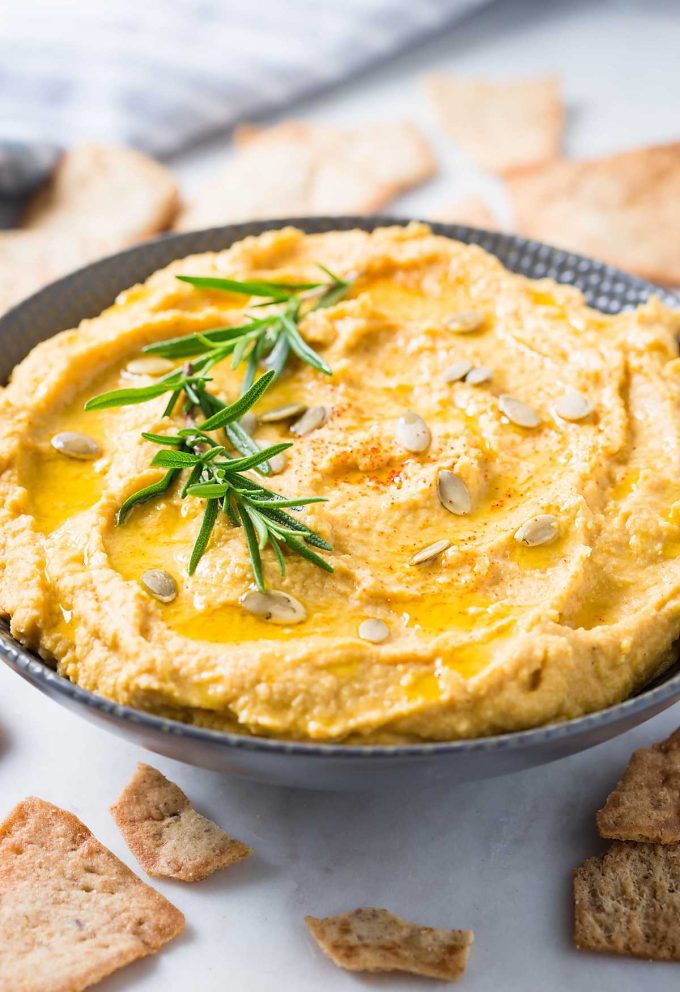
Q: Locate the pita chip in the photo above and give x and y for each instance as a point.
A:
(501, 124)
(623, 210)
(297, 169)
(628, 901)
(645, 805)
(472, 211)
(106, 194)
(70, 911)
(99, 200)
(166, 834)
(376, 940)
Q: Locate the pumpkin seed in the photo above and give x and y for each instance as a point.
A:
(75, 445)
(413, 433)
(282, 413)
(457, 371)
(274, 605)
(278, 463)
(573, 406)
(311, 420)
(517, 412)
(476, 377)
(248, 422)
(159, 584)
(465, 321)
(375, 631)
(538, 530)
(454, 495)
(150, 365)
(430, 552)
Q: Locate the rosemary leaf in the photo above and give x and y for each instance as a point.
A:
(231, 513)
(245, 445)
(250, 287)
(278, 356)
(166, 439)
(290, 503)
(307, 553)
(144, 495)
(235, 411)
(252, 364)
(207, 524)
(197, 344)
(260, 527)
(209, 490)
(279, 555)
(175, 459)
(193, 478)
(331, 296)
(239, 352)
(171, 403)
(253, 548)
(301, 348)
(262, 455)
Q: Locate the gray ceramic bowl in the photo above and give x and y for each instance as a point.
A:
(84, 294)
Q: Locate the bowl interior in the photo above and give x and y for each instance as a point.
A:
(88, 291)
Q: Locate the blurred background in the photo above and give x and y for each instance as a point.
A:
(120, 120)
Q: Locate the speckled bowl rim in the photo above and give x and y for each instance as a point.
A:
(622, 291)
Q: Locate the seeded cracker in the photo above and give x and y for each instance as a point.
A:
(628, 901)
(296, 169)
(70, 911)
(166, 834)
(645, 805)
(376, 940)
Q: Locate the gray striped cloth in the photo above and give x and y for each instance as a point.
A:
(163, 74)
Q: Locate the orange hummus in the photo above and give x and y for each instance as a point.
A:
(557, 587)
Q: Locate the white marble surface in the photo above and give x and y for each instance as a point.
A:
(496, 855)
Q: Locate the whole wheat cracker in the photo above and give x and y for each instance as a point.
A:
(623, 209)
(645, 805)
(500, 124)
(70, 911)
(166, 834)
(628, 901)
(99, 200)
(377, 940)
(296, 168)
(470, 210)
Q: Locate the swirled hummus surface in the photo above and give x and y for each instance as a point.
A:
(490, 635)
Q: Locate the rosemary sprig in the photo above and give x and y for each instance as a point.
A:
(210, 472)
(217, 478)
(268, 340)
(214, 475)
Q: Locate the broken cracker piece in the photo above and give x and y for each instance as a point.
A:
(623, 210)
(472, 211)
(628, 901)
(297, 169)
(500, 124)
(645, 805)
(70, 911)
(166, 834)
(377, 940)
(99, 200)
